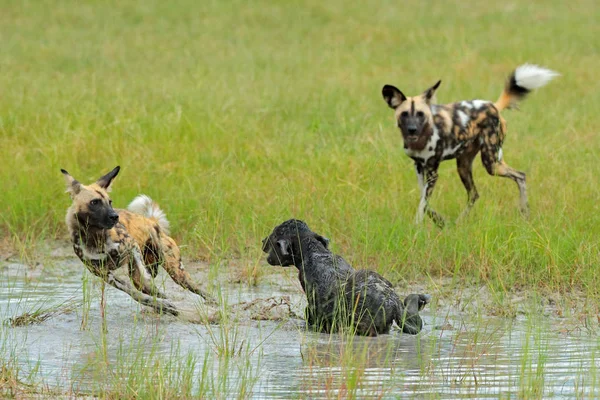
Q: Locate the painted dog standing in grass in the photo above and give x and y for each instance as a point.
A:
(107, 239)
(339, 296)
(433, 133)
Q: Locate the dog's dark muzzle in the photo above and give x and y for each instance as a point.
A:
(113, 219)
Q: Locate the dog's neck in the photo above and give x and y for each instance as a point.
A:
(311, 260)
(307, 249)
(90, 238)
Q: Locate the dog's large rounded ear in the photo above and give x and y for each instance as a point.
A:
(429, 94)
(392, 96)
(107, 179)
(323, 240)
(424, 299)
(73, 186)
(285, 247)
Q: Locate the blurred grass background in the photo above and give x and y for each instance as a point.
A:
(237, 115)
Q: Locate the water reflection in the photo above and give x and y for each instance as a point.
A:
(480, 357)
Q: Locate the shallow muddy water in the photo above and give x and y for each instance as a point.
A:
(458, 355)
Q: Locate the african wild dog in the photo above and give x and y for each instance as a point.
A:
(339, 296)
(106, 239)
(433, 133)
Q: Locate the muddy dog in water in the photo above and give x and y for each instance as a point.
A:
(433, 133)
(339, 296)
(106, 239)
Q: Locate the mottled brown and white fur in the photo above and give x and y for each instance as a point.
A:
(108, 239)
(433, 133)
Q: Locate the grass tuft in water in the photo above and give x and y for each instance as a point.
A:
(42, 313)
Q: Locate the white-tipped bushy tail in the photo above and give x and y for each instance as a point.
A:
(530, 76)
(145, 206)
(523, 80)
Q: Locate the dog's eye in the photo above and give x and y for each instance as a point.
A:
(110, 202)
(420, 114)
(404, 114)
(94, 202)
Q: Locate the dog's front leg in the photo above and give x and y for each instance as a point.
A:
(160, 306)
(422, 191)
(427, 177)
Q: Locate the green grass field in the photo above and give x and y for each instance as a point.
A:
(237, 115)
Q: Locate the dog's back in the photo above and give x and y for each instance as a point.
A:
(460, 124)
(140, 228)
(145, 206)
(145, 221)
(373, 301)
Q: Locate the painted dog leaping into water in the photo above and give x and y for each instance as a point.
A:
(136, 240)
(433, 133)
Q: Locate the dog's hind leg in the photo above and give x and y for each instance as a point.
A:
(140, 276)
(464, 165)
(496, 166)
(172, 264)
(159, 305)
(491, 156)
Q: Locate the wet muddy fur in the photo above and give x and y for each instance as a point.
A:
(339, 296)
(107, 239)
(434, 133)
